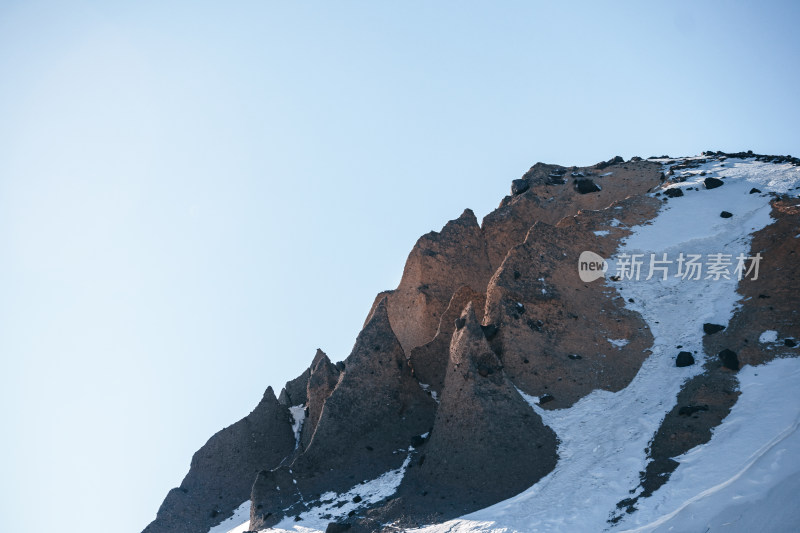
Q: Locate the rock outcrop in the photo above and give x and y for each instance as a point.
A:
(222, 471)
(376, 409)
(484, 314)
(439, 264)
(484, 432)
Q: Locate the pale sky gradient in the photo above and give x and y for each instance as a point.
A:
(194, 196)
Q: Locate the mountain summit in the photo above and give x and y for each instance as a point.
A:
(496, 390)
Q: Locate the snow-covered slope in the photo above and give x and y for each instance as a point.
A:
(749, 470)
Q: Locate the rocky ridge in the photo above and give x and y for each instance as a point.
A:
(483, 314)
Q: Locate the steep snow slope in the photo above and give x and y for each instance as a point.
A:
(603, 436)
(746, 478)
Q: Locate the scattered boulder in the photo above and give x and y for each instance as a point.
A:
(689, 410)
(726, 214)
(710, 329)
(755, 191)
(586, 185)
(713, 183)
(791, 343)
(614, 160)
(674, 192)
(544, 398)
(729, 359)
(574, 356)
(336, 527)
(684, 359)
(519, 186)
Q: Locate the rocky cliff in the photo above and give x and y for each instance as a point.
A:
(430, 417)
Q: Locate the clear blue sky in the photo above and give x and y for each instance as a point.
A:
(194, 196)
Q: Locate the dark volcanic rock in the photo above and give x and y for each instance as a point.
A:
(729, 359)
(490, 331)
(223, 470)
(674, 192)
(586, 185)
(321, 383)
(713, 183)
(471, 446)
(294, 392)
(519, 186)
(684, 359)
(377, 405)
(545, 398)
(613, 161)
(689, 410)
(710, 329)
(726, 214)
(755, 191)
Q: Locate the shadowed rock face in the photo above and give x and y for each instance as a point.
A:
(294, 393)
(321, 383)
(430, 360)
(221, 473)
(484, 432)
(376, 409)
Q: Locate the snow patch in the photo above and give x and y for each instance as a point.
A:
(238, 523)
(768, 336)
(427, 388)
(298, 413)
(619, 343)
(332, 507)
(601, 233)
